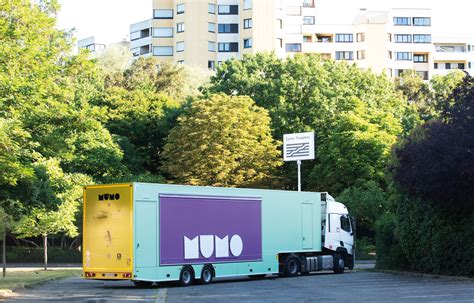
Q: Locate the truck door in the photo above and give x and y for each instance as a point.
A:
(307, 225)
(346, 233)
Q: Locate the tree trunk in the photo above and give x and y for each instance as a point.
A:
(4, 252)
(45, 247)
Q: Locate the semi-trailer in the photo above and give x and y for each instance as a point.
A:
(150, 233)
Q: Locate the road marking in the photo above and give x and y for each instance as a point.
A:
(162, 294)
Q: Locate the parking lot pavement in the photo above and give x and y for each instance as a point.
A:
(355, 286)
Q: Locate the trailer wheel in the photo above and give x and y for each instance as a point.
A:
(142, 283)
(339, 263)
(186, 277)
(206, 275)
(292, 266)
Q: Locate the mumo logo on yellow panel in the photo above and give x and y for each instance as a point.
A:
(109, 197)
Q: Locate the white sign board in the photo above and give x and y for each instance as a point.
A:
(298, 146)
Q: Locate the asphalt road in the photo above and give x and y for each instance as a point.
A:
(355, 286)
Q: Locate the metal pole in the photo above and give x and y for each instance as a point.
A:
(299, 174)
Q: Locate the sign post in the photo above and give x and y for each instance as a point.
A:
(297, 147)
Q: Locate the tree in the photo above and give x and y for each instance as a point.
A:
(367, 202)
(436, 163)
(52, 186)
(356, 115)
(6, 224)
(222, 141)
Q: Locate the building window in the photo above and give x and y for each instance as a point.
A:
(211, 27)
(403, 56)
(228, 28)
(361, 55)
(228, 47)
(398, 72)
(389, 37)
(401, 21)
(447, 66)
(422, 21)
(163, 14)
(180, 9)
(307, 39)
(163, 50)
(420, 58)
(248, 23)
(211, 65)
(421, 38)
(247, 4)
(389, 72)
(248, 43)
(469, 65)
(390, 54)
(180, 27)
(228, 9)
(180, 46)
(360, 37)
(344, 38)
(308, 20)
(180, 61)
(308, 3)
(345, 55)
(423, 74)
(163, 32)
(211, 8)
(293, 47)
(461, 66)
(436, 66)
(211, 46)
(323, 38)
(402, 38)
(450, 48)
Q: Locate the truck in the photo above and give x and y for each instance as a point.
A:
(151, 233)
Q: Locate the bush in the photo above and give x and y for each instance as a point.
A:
(423, 237)
(35, 255)
(388, 249)
(365, 249)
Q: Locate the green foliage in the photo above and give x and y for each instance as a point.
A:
(222, 141)
(52, 187)
(367, 202)
(356, 115)
(389, 252)
(35, 255)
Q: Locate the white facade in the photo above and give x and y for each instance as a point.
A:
(209, 32)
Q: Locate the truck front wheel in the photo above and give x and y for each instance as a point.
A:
(339, 263)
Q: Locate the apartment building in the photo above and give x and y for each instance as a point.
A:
(205, 33)
(90, 44)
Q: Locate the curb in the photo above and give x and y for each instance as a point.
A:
(423, 275)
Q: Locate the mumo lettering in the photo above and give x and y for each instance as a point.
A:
(208, 245)
(107, 197)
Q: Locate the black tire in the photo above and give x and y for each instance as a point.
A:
(292, 266)
(339, 263)
(186, 277)
(351, 263)
(257, 277)
(206, 275)
(142, 283)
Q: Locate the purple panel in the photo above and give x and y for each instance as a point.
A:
(188, 218)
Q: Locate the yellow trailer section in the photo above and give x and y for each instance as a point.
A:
(108, 232)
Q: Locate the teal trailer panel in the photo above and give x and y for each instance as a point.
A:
(290, 222)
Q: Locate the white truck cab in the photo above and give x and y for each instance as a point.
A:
(338, 229)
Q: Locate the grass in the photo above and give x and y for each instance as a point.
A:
(22, 279)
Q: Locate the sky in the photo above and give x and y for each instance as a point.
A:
(109, 20)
